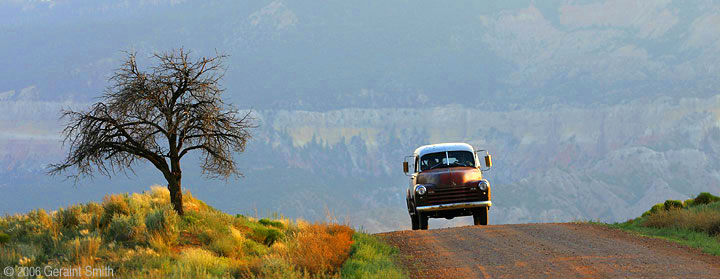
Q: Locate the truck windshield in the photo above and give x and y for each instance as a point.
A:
(447, 159)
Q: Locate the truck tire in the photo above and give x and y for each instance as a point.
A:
(423, 221)
(480, 216)
(415, 222)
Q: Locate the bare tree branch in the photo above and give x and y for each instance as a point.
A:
(160, 116)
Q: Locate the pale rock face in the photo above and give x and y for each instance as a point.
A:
(274, 14)
(703, 32)
(650, 19)
(559, 164)
(7, 95)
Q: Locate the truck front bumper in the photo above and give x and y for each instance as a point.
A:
(450, 206)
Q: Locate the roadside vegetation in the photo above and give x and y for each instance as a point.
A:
(142, 236)
(694, 222)
(371, 258)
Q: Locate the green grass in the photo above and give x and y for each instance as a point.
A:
(371, 258)
(706, 243)
(694, 223)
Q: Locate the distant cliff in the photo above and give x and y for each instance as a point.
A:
(557, 163)
(554, 164)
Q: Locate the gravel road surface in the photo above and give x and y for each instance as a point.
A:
(546, 251)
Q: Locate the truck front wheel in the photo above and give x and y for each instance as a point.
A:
(480, 216)
(423, 221)
(415, 221)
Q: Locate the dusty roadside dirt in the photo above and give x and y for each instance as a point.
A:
(546, 251)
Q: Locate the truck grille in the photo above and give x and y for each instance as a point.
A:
(445, 195)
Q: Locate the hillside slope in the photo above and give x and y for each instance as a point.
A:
(141, 236)
(693, 222)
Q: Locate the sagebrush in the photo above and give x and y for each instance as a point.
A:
(142, 236)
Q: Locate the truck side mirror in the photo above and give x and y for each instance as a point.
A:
(488, 161)
(406, 167)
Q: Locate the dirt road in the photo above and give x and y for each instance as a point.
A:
(546, 251)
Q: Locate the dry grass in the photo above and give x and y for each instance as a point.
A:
(696, 225)
(201, 261)
(321, 248)
(703, 220)
(140, 236)
(84, 251)
(371, 258)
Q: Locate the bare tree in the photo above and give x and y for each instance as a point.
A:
(159, 115)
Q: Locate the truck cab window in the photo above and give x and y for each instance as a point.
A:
(447, 159)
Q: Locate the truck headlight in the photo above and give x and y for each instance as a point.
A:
(483, 185)
(420, 190)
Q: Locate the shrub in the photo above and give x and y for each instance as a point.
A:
(199, 263)
(321, 248)
(211, 220)
(688, 203)
(654, 209)
(253, 248)
(673, 204)
(139, 202)
(41, 220)
(274, 267)
(113, 205)
(706, 198)
(204, 227)
(236, 234)
(4, 238)
(92, 213)
(69, 218)
(163, 221)
(266, 235)
(190, 220)
(30, 251)
(92, 208)
(697, 220)
(226, 246)
(158, 243)
(714, 229)
(192, 204)
(160, 195)
(9, 256)
(127, 230)
(271, 223)
(84, 250)
(140, 261)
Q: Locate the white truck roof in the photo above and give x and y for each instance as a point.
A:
(442, 147)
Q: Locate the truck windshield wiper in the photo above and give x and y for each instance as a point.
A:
(436, 165)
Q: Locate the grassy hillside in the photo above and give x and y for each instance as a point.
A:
(694, 222)
(140, 236)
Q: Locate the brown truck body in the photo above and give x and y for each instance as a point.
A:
(452, 184)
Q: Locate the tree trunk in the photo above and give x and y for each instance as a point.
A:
(174, 185)
(176, 195)
(175, 176)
